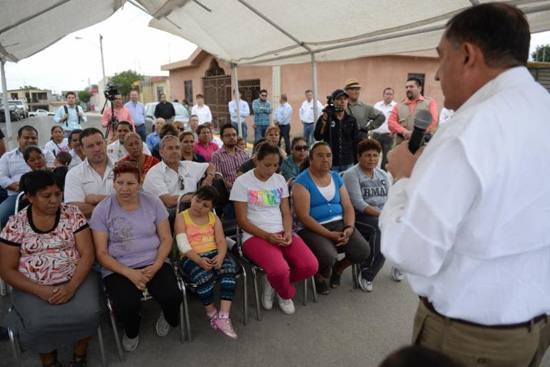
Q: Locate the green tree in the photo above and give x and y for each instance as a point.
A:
(28, 87)
(84, 95)
(125, 80)
(541, 53)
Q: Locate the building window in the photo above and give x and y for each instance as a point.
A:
(188, 88)
(250, 90)
(421, 77)
(160, 91)
(14, 96)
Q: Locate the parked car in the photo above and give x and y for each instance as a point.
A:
(22, 105)
(41, 112)
(15, 113)
(181, 115)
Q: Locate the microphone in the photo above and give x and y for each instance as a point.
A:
(422, 121)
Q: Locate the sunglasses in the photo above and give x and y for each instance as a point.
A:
(263, 95)
(182, 182)
(301, 148)
(181, 128)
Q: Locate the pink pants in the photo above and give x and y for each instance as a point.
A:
(283, 265)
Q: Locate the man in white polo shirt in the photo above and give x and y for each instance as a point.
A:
(92, 180)
(171, 178)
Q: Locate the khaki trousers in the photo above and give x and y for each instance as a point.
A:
(481, 346)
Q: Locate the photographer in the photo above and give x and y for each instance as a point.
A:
(343, 134)
(121, 113)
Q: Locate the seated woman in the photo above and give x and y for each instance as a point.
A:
(322, 205)
(132, 242)
(134, 146)
(368, 190)
(298, 153)
(187, 142)
(200, 239)
(263, 212)
(46, 254)
(204, 145)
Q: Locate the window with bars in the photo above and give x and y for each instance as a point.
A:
(188, 88)
(250, 89)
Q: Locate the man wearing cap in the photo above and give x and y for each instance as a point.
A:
(401, 120)
(368, 118)
(341, 132)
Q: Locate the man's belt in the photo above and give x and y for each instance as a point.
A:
(526, 324)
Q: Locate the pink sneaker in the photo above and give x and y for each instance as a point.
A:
(224, 326)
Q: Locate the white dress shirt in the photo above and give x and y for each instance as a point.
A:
(244, 110)
(13, 166)
(306, 111)
(84, 180)
(203, 113)
(472, 224)
(386, 110)
(162, 180)
(116, 151)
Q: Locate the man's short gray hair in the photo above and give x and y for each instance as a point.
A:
(166, 139)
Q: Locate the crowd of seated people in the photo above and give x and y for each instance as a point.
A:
(128, 196)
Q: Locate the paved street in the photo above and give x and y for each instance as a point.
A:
(347, 328)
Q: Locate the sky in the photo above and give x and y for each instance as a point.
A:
(128, 43)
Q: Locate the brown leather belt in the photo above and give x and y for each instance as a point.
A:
(526, 324)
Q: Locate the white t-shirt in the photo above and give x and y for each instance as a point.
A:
(55, 148)
(203, 113)
(263, 199)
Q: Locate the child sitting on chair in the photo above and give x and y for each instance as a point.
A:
(200, 239)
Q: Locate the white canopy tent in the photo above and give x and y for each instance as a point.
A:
(29, 26)
(267, 32)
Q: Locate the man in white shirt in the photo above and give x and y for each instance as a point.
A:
(171, 177)
(468, 217)
(201, 110)
(382, 133)
(307, 116)
(13, 166)
(92, 180)
(116, 150)
(244, 112)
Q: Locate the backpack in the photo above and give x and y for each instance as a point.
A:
(67, 112)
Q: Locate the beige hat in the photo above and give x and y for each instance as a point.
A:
(352, 83)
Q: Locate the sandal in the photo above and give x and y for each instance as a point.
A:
(79, 360)
(322, 288)
(335, 278)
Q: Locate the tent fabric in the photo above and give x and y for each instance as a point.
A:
(267, 32)
(29, 26)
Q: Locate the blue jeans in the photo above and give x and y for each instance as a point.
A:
(141, 130)
(308, 132)
(285, 133)
(259, 132)
(244, 127)
(7, 209)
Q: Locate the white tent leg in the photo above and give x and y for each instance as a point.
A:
(6, 106)
(314, 88)
(237, 97)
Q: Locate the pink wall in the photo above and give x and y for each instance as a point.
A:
(373, 73)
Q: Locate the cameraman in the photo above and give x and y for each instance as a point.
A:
(121, 113)
(343, 132)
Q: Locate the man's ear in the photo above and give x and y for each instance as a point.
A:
(471, 54)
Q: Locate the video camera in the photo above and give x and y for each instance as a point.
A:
(330, 109)
(111, 91)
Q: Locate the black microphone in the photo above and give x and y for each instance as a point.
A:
(422, 121)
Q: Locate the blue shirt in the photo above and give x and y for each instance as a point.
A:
(72, 121)
(262, 110)
(244, 110)
(152, 140)
(137, 111)
(283, 114)
(321, 209)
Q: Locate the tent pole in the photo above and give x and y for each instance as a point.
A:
(6, 105)
(314, 87)
(237, 100)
